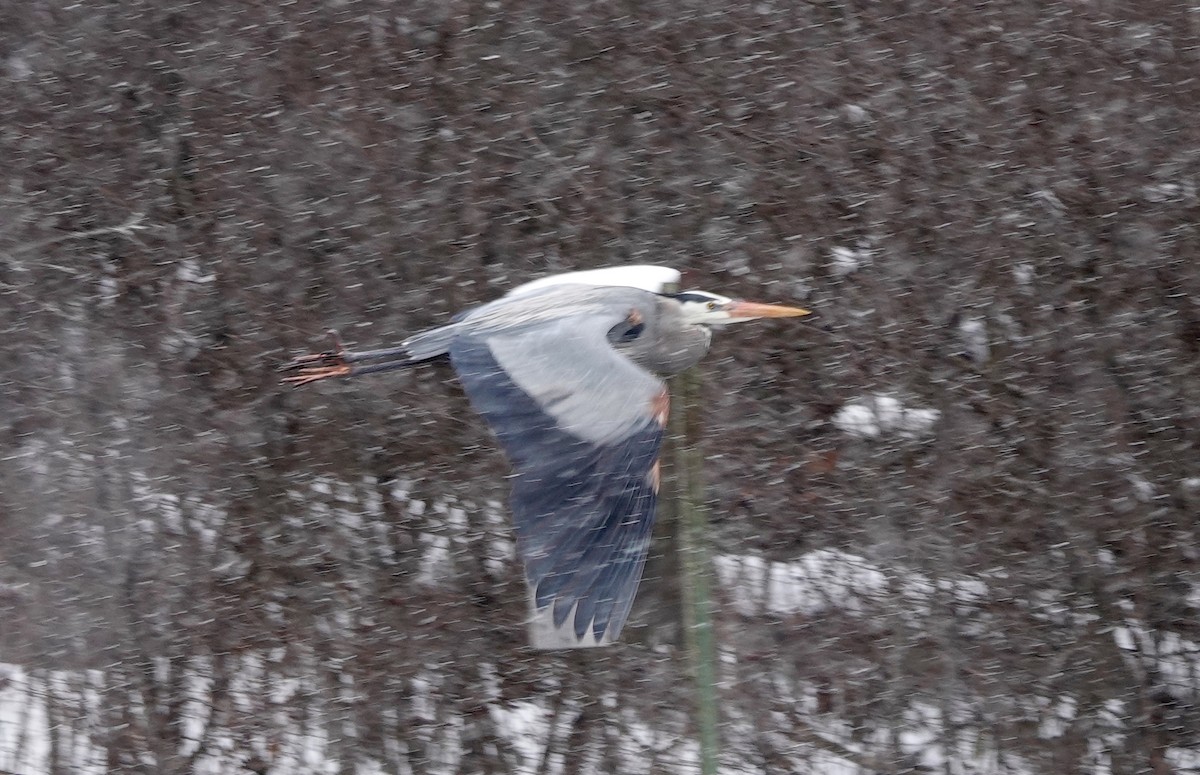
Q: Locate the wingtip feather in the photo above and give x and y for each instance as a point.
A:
(546, 635)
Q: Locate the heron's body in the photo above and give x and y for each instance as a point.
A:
(566, 372)
(528, 335)
(667, 346)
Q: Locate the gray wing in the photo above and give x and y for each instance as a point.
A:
(582, 426)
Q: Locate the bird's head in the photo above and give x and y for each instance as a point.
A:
(709, 309)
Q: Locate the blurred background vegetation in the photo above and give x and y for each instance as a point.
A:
(991, 207)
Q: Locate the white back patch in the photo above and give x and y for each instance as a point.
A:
(644, 277)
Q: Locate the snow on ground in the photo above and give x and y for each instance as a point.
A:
(829, 579)
(877, 415)
(816, 581)
(24, 740)
(28, 700)
(819, 581)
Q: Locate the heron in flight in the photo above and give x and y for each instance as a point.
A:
(567, 372)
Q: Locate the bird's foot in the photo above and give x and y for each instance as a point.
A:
(317, 366)
(309, 374)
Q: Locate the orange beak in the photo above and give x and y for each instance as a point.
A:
(749, 310)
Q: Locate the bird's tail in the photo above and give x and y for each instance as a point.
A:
(430, 344)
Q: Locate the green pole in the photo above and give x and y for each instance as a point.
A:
(696, 564)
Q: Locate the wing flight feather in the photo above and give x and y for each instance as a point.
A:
(582, 426)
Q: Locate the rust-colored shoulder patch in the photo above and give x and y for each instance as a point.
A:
(660, 407)
(660, 410)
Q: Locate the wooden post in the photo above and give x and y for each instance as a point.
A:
(696, 561)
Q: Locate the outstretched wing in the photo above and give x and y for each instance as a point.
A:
(582, 426)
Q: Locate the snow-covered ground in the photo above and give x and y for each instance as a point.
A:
(52, 715)
(34, 703)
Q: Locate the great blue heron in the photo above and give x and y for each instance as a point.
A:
(564, 370)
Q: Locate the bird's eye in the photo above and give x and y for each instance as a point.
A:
(712, 305)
